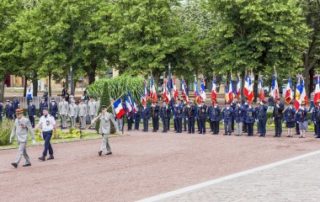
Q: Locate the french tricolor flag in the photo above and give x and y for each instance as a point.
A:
(317, 90)
(117, 106)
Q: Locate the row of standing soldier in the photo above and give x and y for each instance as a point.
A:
(237, 117)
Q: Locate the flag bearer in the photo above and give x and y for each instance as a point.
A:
(145, 115)
(202, 116)
(165, 113)
(190, 115)
(82, 113)
(239, 115)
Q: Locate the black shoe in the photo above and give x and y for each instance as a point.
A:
(42, 158)
(108, 153)
(51, 157)
(100, 153)
(15, 165)
(27, 165)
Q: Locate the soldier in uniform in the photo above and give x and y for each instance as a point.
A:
(9, 110)
(184, 115)
(227, 115)
(316, 118)
(178, 111)
(53, 108)
(137, 118)
(202, 114)
(215, 117)
(261, 114)
(155, 112)
(15, 105)
(73, 113)
(20, 130)
(43, 105)
(239, 114)
(289, 117)
(31, 113)
(165, 114)
(191, 113)
(63, 111)
(245, 106)
(233, 106)
(302, 119)
(278, 115)
(249, 119)
(130, 119)
(104, 129)
(92, 110)
(145, 115)
(82, 114)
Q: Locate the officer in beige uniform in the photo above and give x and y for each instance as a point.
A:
(21, 128)
(92, 110)
(105, 126)
(63, 111)
(73, 113)
(83, 109)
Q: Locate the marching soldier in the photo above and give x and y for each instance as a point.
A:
(20, 130)
(105, 128)
(289, 116)
(63, 111)
(53, 108)
(73, 113)
(261, 114)
(9, 110)
(31, 113)
(191, 113)
(165, 114)
(137, 118)
(155, 111)
(316, 118)
(227, 115)
(239, 114)
(278, 115)
(82, 114)
(43, 105)
(145, 115)
(47, 124)
(302, 119)
(92, 110)
(202, 114)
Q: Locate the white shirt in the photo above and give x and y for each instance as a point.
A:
(47, 123)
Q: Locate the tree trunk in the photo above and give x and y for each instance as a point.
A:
(25, 86)
(92, 72)
(255, 86)
(35, 84)
(2, 80)
(50, 88)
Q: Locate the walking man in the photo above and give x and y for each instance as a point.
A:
(21, 128)
(104, 129)
(47, 124)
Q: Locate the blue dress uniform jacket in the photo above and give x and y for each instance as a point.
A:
(43, 105)
(53, 109)
(239, 114)
(155, 112)
(190, 113)
(202, 114)
(215, 117)
(261, 115)
(178, 113)
(302, 115)
(137, 118)
(278, 116)
(9, 111)
(227, 114)
(289, 117)
(165, 114)
(249, 119)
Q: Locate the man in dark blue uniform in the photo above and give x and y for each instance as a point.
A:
(130, 118)
(43, 105)
(31, 113)
(184, 115)
(227, 115)
(178, 112)
(278, 116)
(53, 107)
(245, 107)
(165, 113)
(9, 110)
(239, 115)
(145, 115)
(137, 118)
(289, 117)
(155, 112)
(190, 114)
(1, 111)
(249, 119)
(316, 119)
(261, 115)
(233, 106)
(15, 105)
(302, 117)
(202, 114)
(215, 118)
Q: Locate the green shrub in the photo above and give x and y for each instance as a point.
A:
(5, 131)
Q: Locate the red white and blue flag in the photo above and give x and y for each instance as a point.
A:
(229, 92)
(153, 92)
(248, 88)
(238, 88)
(118, 109)
(165, 92)
(274, 88)
(197, 96)
(130, 104)
(202, 90)
(260, 89)
(288, 95)
(144, 97)
(317, 90)
(214, 91)
(175, 93)
(184, 91)
(301, 95)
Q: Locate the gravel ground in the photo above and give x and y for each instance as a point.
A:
(142, 165)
